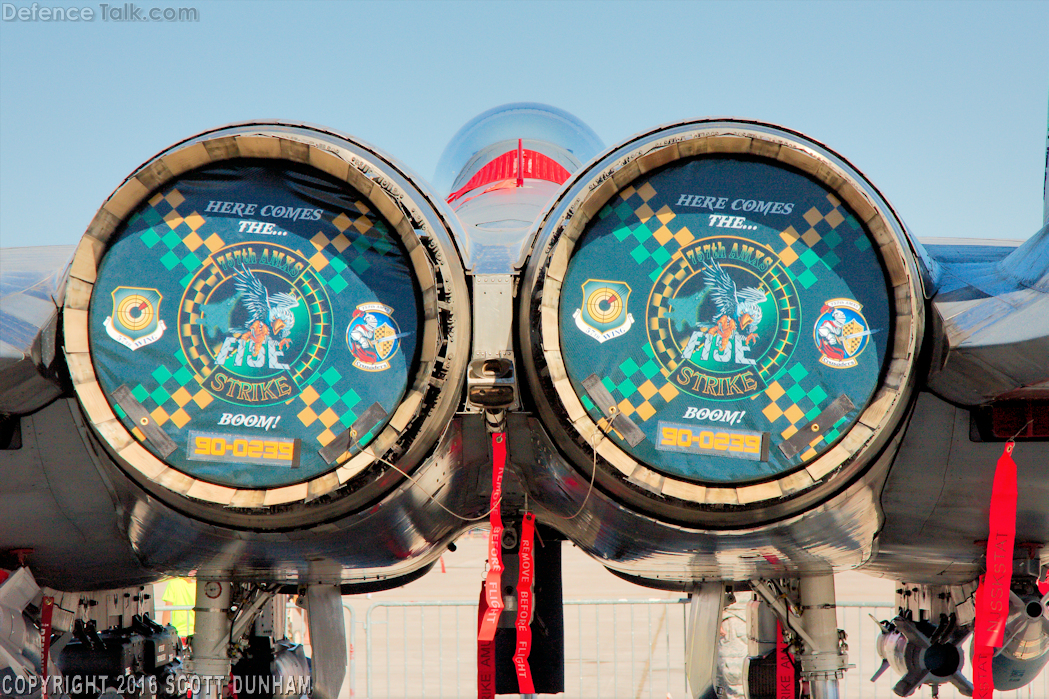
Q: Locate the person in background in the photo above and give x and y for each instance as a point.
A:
(180, 592)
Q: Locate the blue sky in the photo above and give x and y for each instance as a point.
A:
(942, 105)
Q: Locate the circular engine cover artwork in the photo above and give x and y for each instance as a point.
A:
(733, 311)
(247, 316)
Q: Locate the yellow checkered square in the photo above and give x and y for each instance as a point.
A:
(665, 215)
(319, 241)
(790, 236)
(668, 392)
(319, 261)
(684, 237)
(810, 454)
(627, 193)
(202, 398)
(325, 437)
(644, 212)
(175, 198)
(309, 395)
(789, 432)
(181, 396)
(771, 412)
(834, 218)
(192, 241)
(194, 221)
(180, 417)
(173, 219)
(363, 223)
(160, 415)
(645, 411)
(156, 199)
(813, 216)
(626, 407)
(362, 207)
(340, 242)
(834, 201)
(138, 434)
(307, 417)
(793, 413)
(647, 191)
(647, 390)
(774, 391)
(788, 257)
(811, 237)
(214, 242)
(663, 235)
(342, 222)
(328, 417)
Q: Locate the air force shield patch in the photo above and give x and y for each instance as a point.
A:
(604, 313)
(136, 320)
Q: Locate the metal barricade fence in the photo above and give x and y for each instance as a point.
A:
(429, 649)
(613, 648)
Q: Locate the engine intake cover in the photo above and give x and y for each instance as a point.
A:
(729, 312)
(252, 318)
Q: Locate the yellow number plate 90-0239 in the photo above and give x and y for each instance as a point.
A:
(718, 441)
(240, 449)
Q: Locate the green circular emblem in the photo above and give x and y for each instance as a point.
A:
(255, 324)
(722, 317)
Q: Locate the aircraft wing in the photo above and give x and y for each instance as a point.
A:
(986, 384)
(30, 296)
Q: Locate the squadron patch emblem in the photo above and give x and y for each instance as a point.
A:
(373, 337)
(255, 324)
(604, 315)
(841, 333)
(722, 317)
(136, 320)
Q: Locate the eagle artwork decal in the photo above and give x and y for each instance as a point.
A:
(738, 312)
(255, 323)
(267, 315)
(721, 318)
